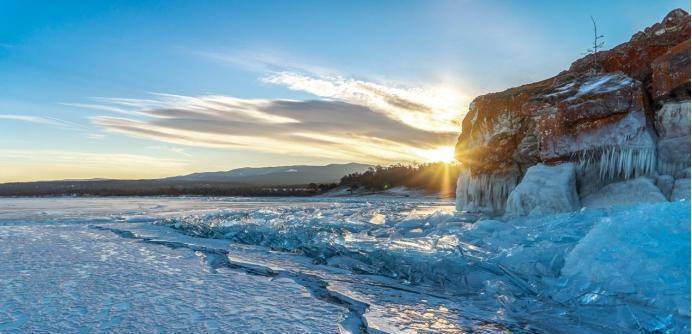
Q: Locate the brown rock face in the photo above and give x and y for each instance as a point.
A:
(634, 58)
(673, 125)
(600, 112)
(588, 113)
(671, 73)
(496, 125)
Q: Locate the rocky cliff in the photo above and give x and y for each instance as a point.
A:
(616, 115)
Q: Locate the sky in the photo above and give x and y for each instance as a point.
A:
(145, 89)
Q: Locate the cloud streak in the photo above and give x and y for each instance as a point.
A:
(434, 109)
(265, 61)
(43, 120)
(351, 121)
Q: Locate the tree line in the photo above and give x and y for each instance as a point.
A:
(156, 188)
(432, 177)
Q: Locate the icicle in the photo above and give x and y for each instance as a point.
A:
(670, 168)
(484, 191)
(617, 162)
(490, 191)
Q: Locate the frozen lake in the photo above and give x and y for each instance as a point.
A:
(330, 265)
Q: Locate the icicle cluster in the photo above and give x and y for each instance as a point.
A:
(490, 191)
(484, 192)
(670, 168)
(617, 162)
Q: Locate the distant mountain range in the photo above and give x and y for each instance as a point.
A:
(281, 175)
(285, 180)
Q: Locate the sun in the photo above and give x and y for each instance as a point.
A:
(440, 154)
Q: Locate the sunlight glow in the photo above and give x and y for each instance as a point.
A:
(439, 154)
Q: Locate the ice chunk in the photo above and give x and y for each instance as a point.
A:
(681, 190)
(377, 219)
(545, 189)
(636, 264)
(639, 190)
(665, 183)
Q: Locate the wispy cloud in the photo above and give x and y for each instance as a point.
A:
(97, 136)
(328, 129)
(435, 109)
(44, 120)
(100, 107)
(173, 149)
(265, 61)
(430, 107)
(348, 119)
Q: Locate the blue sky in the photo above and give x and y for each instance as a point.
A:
(138, 89)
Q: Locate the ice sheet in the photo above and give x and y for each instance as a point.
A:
(414, 265)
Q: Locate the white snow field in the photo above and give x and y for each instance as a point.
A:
(338, 265)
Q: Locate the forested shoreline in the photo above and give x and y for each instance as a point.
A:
(431, 177)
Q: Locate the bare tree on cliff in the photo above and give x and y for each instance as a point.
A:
(597, 44)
